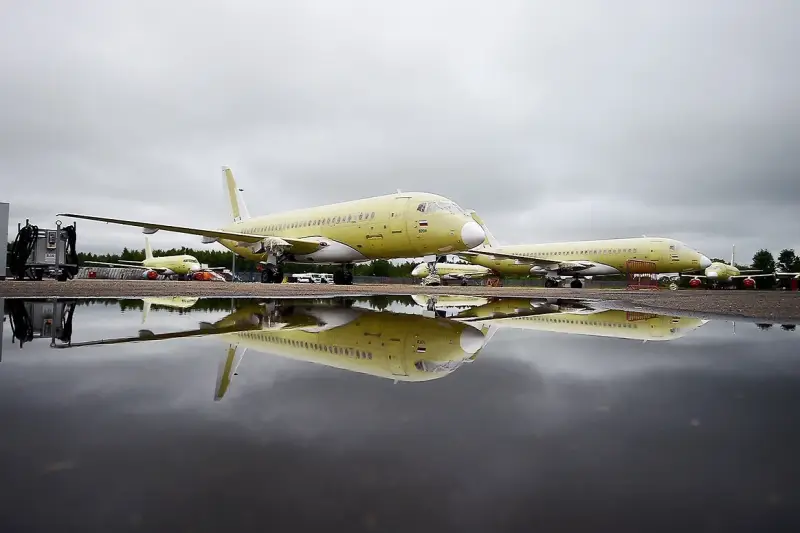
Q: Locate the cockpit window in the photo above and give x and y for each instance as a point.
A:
(440, 206)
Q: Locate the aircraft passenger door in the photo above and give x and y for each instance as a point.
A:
(654, 251)
(395, 348)
(398, 231)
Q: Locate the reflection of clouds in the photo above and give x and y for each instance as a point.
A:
(506, 442)
(586, 357)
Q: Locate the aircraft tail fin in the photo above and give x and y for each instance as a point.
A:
(489, 241)
(148, 252)
(238, 208)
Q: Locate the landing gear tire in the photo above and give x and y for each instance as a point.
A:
(550, 283)
(271, 275)
(464, 283)
(576, 284)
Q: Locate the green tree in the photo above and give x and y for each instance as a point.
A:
(381, 267)
(718, 260)
(763, 260)
(788, 261)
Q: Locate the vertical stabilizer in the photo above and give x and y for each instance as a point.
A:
(238, 208)
(489, 241)
(148, 252)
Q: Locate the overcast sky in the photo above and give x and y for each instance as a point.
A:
(554, 121)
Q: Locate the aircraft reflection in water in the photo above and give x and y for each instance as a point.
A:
(172, 302)
(451, 331)
(397, 346)
(564, 316)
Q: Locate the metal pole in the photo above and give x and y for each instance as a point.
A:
(58, 244)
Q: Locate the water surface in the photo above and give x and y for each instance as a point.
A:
(393, 413)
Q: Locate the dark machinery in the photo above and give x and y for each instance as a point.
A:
(36, 253)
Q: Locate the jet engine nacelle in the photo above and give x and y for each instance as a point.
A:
(150, 274)
(537, 271)
(695, 282)
(749, 283)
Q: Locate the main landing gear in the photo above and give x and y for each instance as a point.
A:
(271, 274)
(343, 276)
(576, 283)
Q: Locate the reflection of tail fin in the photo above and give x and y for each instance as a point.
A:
(148, 252)
(227, 369)
(238, 208)
(489, 241)
(145, 310)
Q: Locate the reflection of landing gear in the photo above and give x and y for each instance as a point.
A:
(464, 283)
(343, 276)
(550, 283)
(576, 284)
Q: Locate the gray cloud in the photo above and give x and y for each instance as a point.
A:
(554, 122)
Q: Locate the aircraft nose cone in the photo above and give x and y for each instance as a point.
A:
(705, 262)
(419, 270)
(471, 340)
(472, 234)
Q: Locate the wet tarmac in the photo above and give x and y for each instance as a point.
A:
(394, 413)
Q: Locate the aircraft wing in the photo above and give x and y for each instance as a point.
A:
(516, 257)
(298, 246)
(123, 265)
(753, 276)
(788, 274)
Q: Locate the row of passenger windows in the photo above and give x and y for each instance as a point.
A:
(582, 252)
(311, 346)
(356, 217)
(582, 322)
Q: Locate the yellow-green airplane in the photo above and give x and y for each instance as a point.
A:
(393, 226)
(581, 259)
(719, 275)
(450, 272)
(167, 265)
